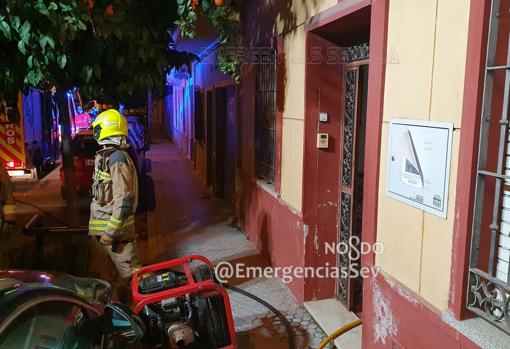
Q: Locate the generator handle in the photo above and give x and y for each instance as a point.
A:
(172, 263)
(183, 261)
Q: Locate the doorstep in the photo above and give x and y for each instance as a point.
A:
(330, 314)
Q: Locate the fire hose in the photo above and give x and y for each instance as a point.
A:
(340, 332)
(283, 319)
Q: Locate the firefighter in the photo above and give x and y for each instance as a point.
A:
(114, 194)
(6, 199)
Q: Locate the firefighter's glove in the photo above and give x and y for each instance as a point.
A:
(106, 240)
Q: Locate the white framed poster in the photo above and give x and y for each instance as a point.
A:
(419, 155)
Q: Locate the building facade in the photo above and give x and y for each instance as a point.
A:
(300, 150)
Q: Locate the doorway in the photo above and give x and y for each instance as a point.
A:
(349, 290)
(229, 165)
(222, 142)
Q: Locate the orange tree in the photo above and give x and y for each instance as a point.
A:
(111, 49)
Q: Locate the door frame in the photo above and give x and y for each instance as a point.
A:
(341, 19)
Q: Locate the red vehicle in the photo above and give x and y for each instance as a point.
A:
(84, 148)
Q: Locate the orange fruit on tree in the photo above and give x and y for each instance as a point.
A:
(109, 10)
(219, 3)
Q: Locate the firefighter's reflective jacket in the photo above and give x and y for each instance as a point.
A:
(6, 199)
(114, 195)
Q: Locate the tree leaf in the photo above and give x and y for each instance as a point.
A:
(41, 7)
(117, 32)
(61, 61)
(21, 47)
(51, 42)
(106, 30)
(24, 32)
(15, 22)
(29, 79)
(87, 73)
(43, 41)
(6, 30)
(30, 61)
(52, 6)
(97, 71)
(80, 25)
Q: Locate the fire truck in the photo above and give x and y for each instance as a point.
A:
(79, 118)
(29, 133)
(30, 130)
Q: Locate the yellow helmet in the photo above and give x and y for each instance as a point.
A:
(109, 123)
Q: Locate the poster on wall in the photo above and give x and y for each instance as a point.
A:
(419, 157)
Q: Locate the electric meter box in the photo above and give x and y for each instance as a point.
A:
(419, 158)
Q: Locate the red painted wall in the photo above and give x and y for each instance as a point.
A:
(397, 318)
(275, 230)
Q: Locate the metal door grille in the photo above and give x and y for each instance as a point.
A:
(489, 284)
(349, 290)
(265, 111)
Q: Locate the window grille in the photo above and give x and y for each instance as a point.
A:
(489, 282)
(265, 114)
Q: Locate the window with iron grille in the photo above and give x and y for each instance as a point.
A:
(265, 114)
(489, 276)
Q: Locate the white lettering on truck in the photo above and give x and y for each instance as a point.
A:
(10, 132)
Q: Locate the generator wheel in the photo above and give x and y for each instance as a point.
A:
(212, 313)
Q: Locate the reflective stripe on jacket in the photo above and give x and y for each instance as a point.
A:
(114, 195)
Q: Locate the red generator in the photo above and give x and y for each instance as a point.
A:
(182, 309)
